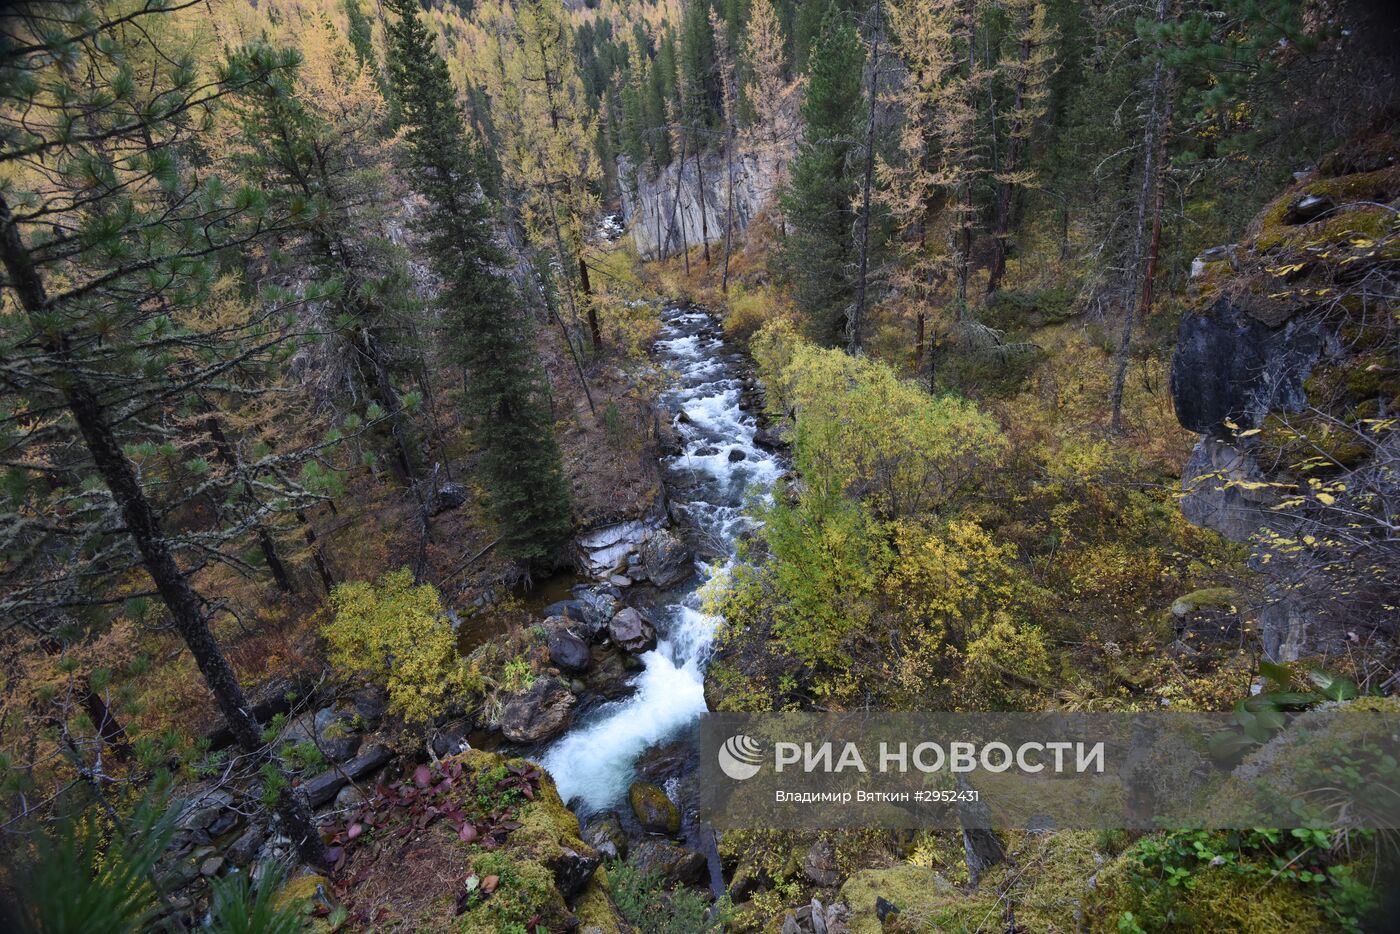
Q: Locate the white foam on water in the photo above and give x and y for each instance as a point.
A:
(593, 761)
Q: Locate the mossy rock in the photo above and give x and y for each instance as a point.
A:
(1210, 598)
(595, 910)
(524, 888)
(1048, 897)
(307, 889)
(926, 900)
(1311, 764)
(1371, 704)
(1307, 437)
(655, 811)
(1379, 187)
(545, 847)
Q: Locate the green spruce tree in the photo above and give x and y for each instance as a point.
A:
(520, 463)
(818, 253)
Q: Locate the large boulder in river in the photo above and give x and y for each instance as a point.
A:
(541, 713)
(655, 812)
(667, 761)
(673, 864)
(568, 651)
(667, 559)
(604, 833)
(632, 631)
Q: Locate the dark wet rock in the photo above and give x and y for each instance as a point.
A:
(672, 863)
(568, 651)
(707, 451)
(884, 908)
(449, 496)
(817, 918)
(323, 787)
(667, 559)
(573, 869)
(242, 850)
(226, 822)
(336, 735)
(736, 455)
(1232, 366)
(819, 865)
(603, 831)
(203, 810)
(655, 812)
(179, 873)
(610, 676)
(330, 730)
(1309, 208)
(670, 760)
(574, 610)
(369, 703)
(541, 713)
(770, 438)
(599, 605)
(747, 880)
(450, 738)
(632, 631)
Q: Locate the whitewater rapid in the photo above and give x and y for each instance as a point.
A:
(593, 761)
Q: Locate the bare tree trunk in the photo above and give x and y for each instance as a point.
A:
(1005, 203)
(143, 525)
(677, 208)
(112, 733)
(317, 557)
(224, 449)
(729, 209)
(568, 342)
(1140, 269)
(382, 389)
(573, 308)
(704, 222)
(919, 326)
(863, 273)
(594, 331)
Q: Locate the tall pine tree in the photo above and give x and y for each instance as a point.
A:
(110, 250)
(818, 253)
(520, 464)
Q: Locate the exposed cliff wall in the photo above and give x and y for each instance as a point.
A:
(1287, 367)
(671, 211)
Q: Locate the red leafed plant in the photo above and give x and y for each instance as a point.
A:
(480, 806)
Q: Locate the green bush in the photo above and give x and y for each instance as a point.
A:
(646, 904)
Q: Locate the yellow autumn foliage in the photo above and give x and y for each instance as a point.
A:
(864, 433)
(396, 632)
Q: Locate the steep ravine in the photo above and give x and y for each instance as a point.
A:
(718, 467)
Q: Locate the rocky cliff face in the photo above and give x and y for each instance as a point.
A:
(669, 211)
(1286, 365)
(672, 211)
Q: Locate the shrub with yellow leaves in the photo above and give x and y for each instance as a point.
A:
(396, 632)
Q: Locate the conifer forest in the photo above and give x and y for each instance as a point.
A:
(417, 417)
